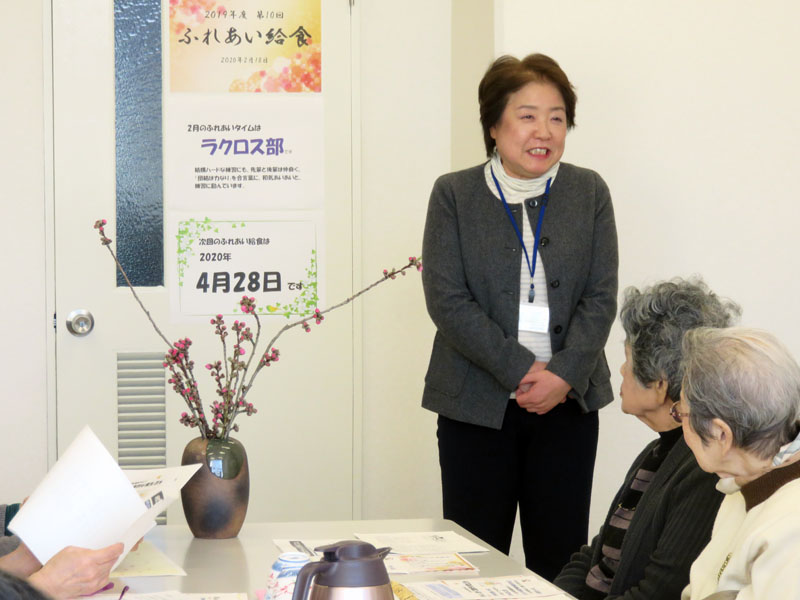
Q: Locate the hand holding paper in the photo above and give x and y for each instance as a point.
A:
(76, 572)
(86, 500)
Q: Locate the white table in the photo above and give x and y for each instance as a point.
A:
(243, 564)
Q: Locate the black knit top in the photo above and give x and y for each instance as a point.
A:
(600, 576)
(670, 526)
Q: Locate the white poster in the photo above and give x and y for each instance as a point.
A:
(243, 156)
(244, 152)
(218, 260)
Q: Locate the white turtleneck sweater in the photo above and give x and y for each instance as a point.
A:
(517, 191)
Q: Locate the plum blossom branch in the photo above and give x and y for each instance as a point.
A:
(105, 241)
(231, 373)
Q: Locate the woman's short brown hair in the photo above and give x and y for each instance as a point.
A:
(509, 74)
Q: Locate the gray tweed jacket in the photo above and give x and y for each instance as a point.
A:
(471, 281)
(671, 525)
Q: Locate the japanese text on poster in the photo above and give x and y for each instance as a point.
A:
(245, 46)
(260, 154)
(274, 262)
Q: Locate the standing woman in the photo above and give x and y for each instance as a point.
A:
(520, 280)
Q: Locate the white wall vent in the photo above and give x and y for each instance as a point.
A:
(141, 412)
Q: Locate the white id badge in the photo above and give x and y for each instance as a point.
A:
(534, 318)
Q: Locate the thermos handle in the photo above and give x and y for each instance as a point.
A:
(303, 582)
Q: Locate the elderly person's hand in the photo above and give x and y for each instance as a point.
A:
(76, 572)
(540, 391)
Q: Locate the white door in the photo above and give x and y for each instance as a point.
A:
(300, 444)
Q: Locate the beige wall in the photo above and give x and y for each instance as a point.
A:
(472, 44)
(419, 120)
(405, 145)
(23, 242)
(689, 112)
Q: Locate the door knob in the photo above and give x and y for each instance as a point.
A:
(80, 322)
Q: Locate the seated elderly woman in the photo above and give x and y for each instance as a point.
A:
(741, 418)
(661, 517)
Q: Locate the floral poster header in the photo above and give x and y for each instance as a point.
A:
(245, 46)
(220, 261)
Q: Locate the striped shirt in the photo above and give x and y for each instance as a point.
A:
(600, 576)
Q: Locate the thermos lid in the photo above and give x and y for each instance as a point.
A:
(353, 563)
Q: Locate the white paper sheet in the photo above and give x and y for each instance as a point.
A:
(423, 542)
(396, 564)
(174, 595)
(86, 500)
(406, 564)
(147, 561)
(148, 483)
(306, 546)
(496, 588)
(157, 489)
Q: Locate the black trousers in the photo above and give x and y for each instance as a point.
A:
(543, 463)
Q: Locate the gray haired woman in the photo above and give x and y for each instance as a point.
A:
(741, 418)
(661, 517)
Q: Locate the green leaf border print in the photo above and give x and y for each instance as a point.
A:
(305, 302)
(189, 231)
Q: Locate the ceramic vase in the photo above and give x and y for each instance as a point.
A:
(215, 498)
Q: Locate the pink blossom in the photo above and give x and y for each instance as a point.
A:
(176, 358)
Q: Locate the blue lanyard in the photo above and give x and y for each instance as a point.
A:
(537, 236)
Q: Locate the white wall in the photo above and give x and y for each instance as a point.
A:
(689, 110)
(405, 145)
(23, 356)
